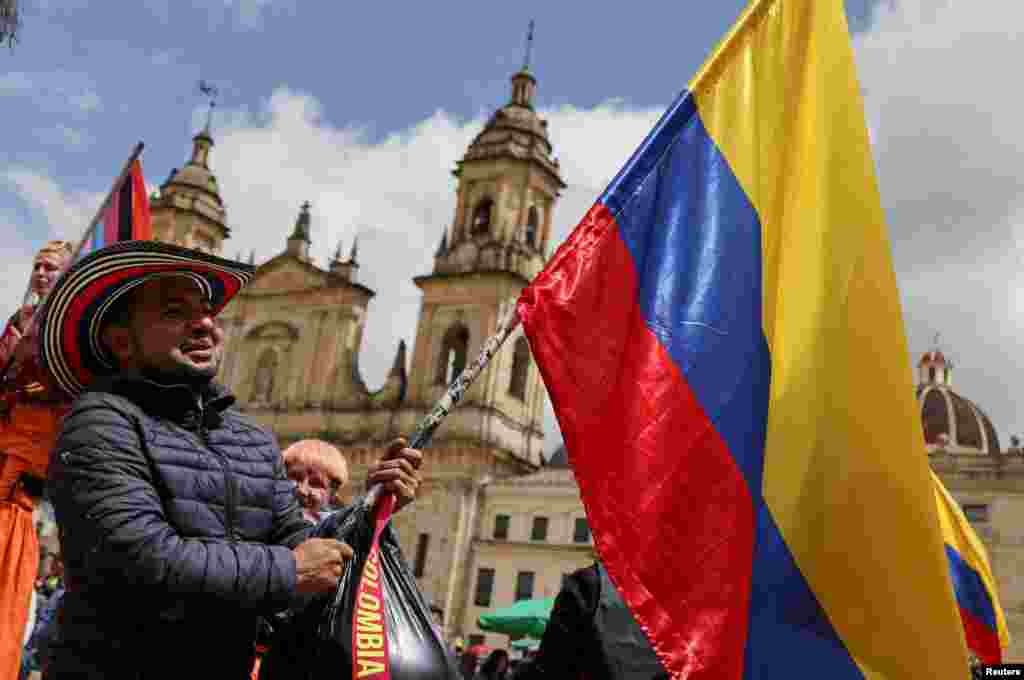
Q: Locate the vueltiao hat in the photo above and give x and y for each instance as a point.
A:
(72, 317)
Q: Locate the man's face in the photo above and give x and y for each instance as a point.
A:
(45, 270)
(173, 332)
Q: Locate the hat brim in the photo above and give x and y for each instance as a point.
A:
(70, 322)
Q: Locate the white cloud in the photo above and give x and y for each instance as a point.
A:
(67, 213)
(948, 142)
(59, 92)
(396, 194)
(15, 254)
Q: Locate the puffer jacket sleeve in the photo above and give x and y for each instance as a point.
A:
(113, 521)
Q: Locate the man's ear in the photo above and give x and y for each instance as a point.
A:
(118, 339)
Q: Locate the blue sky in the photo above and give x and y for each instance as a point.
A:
(364, 108)
(107, 77)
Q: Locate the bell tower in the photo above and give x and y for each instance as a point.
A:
(189, 211)
(498, 240)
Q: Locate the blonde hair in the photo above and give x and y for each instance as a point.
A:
(62, 248)
(321, 456)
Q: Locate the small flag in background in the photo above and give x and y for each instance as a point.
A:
(722, 341)
(126, 217)
(973, 581)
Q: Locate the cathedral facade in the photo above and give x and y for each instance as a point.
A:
(493, 523)
(294, 334)
(986, 480)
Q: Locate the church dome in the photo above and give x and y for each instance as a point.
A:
(196, 177)
(189, 210)
(196, 174)
(951, 421)
(515, 130)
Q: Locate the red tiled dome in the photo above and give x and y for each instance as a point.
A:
(934, 356)
(944, 412)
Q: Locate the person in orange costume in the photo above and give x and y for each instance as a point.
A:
(30, 412)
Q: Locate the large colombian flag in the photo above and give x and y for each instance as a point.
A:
(126, 216)
(973, 581)
(722, 340)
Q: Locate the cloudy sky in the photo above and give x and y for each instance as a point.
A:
(363, 110)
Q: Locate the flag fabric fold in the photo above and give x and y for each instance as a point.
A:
(126, 215)
(973, 581)
(722, 341)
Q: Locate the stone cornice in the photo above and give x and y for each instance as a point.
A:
(326, 280)
(975, 466)
(419, 410)
(427, 279)
(533, 546)
(190, 205)
(549, 478)
(488, 409)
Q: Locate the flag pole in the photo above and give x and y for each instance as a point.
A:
(95, 220)
(136, 152)
(29, 297)
(508, 323)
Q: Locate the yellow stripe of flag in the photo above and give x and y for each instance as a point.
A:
(845, 476)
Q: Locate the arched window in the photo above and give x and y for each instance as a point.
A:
(482, 217)
(931, 374)
(520, 365)
(263, 381)
(531, 226)
(453, 354)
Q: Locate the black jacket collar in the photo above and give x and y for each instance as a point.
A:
(180, 402)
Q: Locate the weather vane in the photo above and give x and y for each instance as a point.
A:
(211, 91)
(529, 47)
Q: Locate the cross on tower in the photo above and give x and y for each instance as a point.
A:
(529, 47)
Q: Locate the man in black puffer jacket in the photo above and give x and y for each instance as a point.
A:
(178, 524)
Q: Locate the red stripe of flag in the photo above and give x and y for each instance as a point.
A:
(110, 219)
(142, 227)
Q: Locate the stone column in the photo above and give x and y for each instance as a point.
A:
(461, 199)
(459, 579)
(326, 363)
(233, 344)
(315, 363)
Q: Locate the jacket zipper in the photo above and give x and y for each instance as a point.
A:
(229, 477)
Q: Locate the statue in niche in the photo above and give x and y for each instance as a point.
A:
(263, 381)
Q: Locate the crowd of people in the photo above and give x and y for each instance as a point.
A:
(185, 532)
(41, 630)
(179, 527)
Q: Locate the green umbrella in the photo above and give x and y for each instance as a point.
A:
(526, 643)
(526, 617)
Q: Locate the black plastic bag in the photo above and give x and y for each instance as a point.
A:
(393, 637)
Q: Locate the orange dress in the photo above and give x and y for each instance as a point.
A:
(29, 421)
